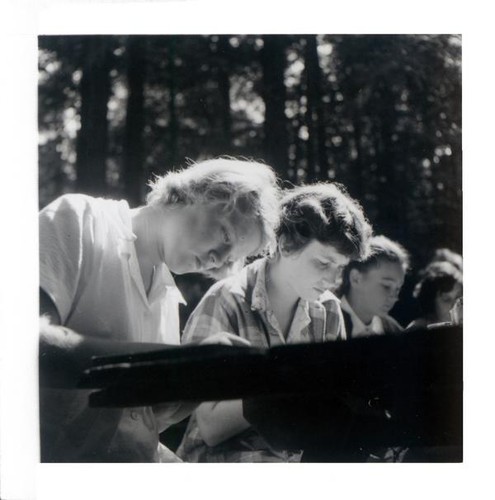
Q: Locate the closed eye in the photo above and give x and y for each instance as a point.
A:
(330, 264)
(390, 289)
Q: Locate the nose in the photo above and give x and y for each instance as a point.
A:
(218, 257)
(394, 296)
(329, 279)
(332, 275)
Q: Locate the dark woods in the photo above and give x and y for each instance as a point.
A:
(381, 114)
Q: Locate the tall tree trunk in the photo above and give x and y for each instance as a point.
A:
(223, 79)
(297, 161)
(275, 144)
(315, 120)
(173, 127)
(389, 193)
(356, 167)
(92, 139)
(134, 124)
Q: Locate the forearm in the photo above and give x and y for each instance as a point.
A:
(219, 421)
(168, 414)
(65, 354)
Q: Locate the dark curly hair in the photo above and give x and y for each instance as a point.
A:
(438, 277)
(324, 212)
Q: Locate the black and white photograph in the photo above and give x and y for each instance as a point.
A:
(301, 189)
(250, 249)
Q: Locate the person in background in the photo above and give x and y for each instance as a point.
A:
(437, 292)
(106, 287)
(439, 295)
(370, 287)
(369, 290)
(276, 300)
(447, 255)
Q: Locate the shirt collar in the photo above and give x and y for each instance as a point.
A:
(259, 297)
(123, 227)
(301, 320)
(327, 295)
(164, 283)
(260, 302)
(123, 221)
(359, 328)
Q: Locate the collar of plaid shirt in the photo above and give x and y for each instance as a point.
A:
(260, 302)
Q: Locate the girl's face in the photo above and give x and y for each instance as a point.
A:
(377, 289)
(445, 301)
(208, 239)
(314, 269)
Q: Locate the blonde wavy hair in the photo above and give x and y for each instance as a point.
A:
(239, 186)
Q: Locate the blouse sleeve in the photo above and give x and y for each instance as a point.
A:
(61, 249)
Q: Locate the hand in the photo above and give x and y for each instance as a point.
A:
(225, 338)
(456, 312)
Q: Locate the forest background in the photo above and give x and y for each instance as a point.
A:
(379, 113)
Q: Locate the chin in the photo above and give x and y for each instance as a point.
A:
(181, 268)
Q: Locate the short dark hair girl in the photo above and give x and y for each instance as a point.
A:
(324, 212)
(438, 277)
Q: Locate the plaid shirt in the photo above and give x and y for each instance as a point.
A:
(240, 305)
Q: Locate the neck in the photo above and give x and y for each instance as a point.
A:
(148, 249)
(141, 222)
(281, 295)
(277, 284)
(364, 315)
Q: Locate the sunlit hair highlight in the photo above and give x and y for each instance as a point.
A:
(324, 212)
(243, 187)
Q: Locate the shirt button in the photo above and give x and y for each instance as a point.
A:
(134, 415)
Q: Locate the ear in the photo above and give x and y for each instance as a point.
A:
(283, 247)
(355, 277)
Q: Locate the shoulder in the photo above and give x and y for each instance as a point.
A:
(69, 211)
(71, 203)
(224, 307)
(239, 285)
(221, 298)
(83, 204)
(87, 213)
(65, 217)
